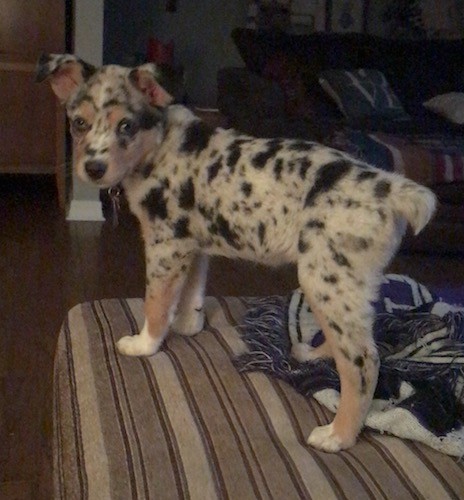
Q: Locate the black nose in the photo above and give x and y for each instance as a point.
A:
(95, 169)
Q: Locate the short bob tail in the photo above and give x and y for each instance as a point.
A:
(415, 203)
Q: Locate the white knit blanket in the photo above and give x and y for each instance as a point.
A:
(420, 392)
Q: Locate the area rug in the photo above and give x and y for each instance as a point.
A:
(420, 391)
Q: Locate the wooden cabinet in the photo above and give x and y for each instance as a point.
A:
(32, 123)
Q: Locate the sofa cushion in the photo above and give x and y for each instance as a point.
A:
(186, 424)
(362, 93)
(450, 105)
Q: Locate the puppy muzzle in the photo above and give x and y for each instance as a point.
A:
(95, 169)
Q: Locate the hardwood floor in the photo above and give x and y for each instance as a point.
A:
(48, 265)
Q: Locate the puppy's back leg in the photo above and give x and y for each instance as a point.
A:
(341, 304)
(190, 313)
(303, 352)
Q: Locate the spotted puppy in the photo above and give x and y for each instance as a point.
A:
(198, 191)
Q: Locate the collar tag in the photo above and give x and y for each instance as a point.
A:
(115, 194)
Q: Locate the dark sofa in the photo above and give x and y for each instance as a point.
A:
(278, 93)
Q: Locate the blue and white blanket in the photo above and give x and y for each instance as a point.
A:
(420, 391)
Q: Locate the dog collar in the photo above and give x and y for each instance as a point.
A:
(114, 193)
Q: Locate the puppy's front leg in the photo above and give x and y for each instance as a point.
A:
(165, 278)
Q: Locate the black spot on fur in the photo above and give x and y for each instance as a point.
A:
(335, 327)
(363, 384)
(360, 243)
(81, 97)
(278, 167)
(260, 160)
(303, 247)
(147, 169)
(87, 69)
(165, 264)
(382, 214)
(187, 195)
(261, 233)
(350, 203)
(111, 102)
(181, 228)
(213, 170)
(148, 118)
(246, 188)
(155, 204)
(331, 278)
(222, 228)
(315, 224)
(207, 213)
(366, 174)
(340, 259)
(305, 165)
(345, 353)
(359, 361)
(326, 178)
(234, 155)
(197, 137)
(382, 189)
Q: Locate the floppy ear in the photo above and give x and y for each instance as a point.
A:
(65, 71)
(145, 78)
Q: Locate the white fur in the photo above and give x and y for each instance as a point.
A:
(139, 345)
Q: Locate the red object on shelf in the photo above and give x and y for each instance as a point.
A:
(159, 52)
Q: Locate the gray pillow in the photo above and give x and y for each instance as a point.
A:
(362, 93)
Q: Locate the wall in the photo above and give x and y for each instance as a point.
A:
(201, 33)
(126, 29)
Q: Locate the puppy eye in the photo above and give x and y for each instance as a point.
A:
(127, 127)
(79, 125)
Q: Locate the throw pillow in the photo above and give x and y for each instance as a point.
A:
(362, 93)
(450, 105)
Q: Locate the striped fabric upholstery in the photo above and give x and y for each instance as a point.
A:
(186, 424)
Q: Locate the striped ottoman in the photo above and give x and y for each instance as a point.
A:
(186, 424)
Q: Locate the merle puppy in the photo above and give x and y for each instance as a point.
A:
(198, 191)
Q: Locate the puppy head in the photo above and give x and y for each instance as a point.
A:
(113, 112)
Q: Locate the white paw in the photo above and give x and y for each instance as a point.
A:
(189, 324)
(325, 439)
(138, 345)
